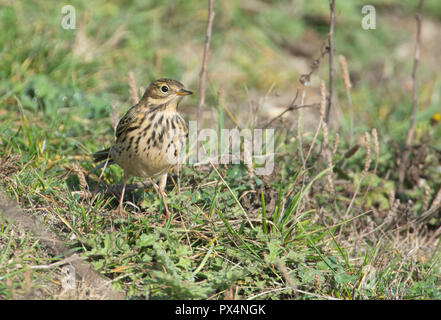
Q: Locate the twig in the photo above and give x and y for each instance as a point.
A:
(203, 74)
(305, 79)
(410, 133)
(331, 60)
(66, 260)
(291, 107)
(331, 76)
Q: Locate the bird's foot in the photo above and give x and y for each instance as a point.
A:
(120, 211)
(164, 201)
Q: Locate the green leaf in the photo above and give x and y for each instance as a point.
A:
(146, 240)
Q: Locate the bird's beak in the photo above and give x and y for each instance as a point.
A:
(184, 92)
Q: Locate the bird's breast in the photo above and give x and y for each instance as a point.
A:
(155, 146)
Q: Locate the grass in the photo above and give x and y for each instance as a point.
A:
(282, 236)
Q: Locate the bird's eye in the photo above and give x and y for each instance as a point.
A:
(164, 89)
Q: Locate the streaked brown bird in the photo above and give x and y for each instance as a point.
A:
(150, 136)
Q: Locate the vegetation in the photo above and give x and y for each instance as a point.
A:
(303, 232)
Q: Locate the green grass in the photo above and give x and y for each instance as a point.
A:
(239, 235)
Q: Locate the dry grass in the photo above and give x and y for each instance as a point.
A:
(88, 283)
(307, 231)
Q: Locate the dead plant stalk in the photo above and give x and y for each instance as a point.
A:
(331, 61)
(203, 74)
(410, 133)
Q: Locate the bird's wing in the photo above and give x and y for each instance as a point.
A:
(127, 123)
(182, 125)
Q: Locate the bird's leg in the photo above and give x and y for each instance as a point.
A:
(121, 210)
(161, 188)
(163, 182)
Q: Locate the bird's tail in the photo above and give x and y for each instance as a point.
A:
(102, 155)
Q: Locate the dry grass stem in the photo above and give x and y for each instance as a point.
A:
(281, 266)
(325, 142)
(300, 130)
(335, 145)
(365, 142)
(348, 86)
(322, 106)
(133, 90)
(84, 192)
(367, 146)
(322, 99)
(437, 201)
(426, 197)
(114, 117)
(391, 197)
(345, 72)
(376, 145)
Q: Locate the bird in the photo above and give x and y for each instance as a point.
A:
(150, 137)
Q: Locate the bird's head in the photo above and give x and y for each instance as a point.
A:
(164, 91)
